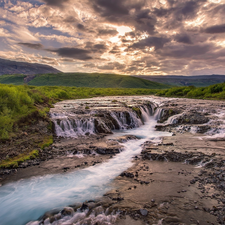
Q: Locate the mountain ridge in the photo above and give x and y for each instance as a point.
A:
(9, 67)
(179, 80)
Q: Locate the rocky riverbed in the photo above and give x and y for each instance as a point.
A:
(176, 179)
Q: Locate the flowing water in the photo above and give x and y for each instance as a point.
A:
(27, 200)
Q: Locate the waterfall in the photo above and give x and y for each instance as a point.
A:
(173, 119)
(145, 113)
(72, 124)
(135, 121)
(70, 127)
(158, 113)
(125, 119)
(27, 199)
(114, 116)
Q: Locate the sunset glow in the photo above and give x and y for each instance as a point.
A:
(178, 37)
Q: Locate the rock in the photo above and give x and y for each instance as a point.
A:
(67, 211)
(84, 207)
(144, 212)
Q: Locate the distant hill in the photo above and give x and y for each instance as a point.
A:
(198, 81)
(12, 67)
(94, 80)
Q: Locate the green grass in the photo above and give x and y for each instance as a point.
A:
(19, 102)
(15, 161)
(94, 81)
(216, 91)
(47, 141)
(12, 79)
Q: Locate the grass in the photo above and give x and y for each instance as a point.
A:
(48, 140)
(137, 111)
(12, 79)
(216, 92)
(15, 161)
(94, 80)
(20, 102)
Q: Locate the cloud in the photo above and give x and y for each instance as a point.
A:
(80, 26)
(157, 42)
(167, 36)
(30, 45)
(112, 66)
(75, 53)
(70, 19)
(185, 51)
(183, 38)
(216, 29)
(57, 3)
(109, 32)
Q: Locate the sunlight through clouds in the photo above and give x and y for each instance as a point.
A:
(133, 33)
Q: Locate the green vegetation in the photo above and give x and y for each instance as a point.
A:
(216, 91)
(137, 111)
(48, 140)
(18, 103)
(12, 79)
(94, 81)
(15, 161)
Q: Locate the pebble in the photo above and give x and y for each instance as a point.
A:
(144, 212)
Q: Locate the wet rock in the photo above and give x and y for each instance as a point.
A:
(125, 138)
(107, 151)
(168, 113)
(127, 174)
(84, 207)
(144, 212)
(118, 199)
(171, 220)
(67, 211)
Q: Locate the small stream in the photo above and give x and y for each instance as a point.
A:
(27, 200)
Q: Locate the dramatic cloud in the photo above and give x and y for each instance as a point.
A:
(111, 32)
(58, 3)
(183, 38)
(215, 29)
(117, 36)
(74, 53)
(157, 42)
(30, 45)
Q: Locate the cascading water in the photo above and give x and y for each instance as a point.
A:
(71, 127)
(145, 113)
(174, 119)
(68, 126)
(27, 200)
(158, 113)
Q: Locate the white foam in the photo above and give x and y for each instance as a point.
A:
(27, 200)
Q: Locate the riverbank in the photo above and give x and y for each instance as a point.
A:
(178, 179)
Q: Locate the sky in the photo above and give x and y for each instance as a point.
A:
(133, 37)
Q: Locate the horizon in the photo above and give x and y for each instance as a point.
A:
(161, 38)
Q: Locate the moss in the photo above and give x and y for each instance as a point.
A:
(48, 140)
(87, 107)
(171, 112)
(44, 112)
(15, 161)
(137, 111)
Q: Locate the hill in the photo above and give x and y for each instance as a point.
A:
(215, 91)
(94, 81)
(197, 81)
(13, 67)
(12, 79)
